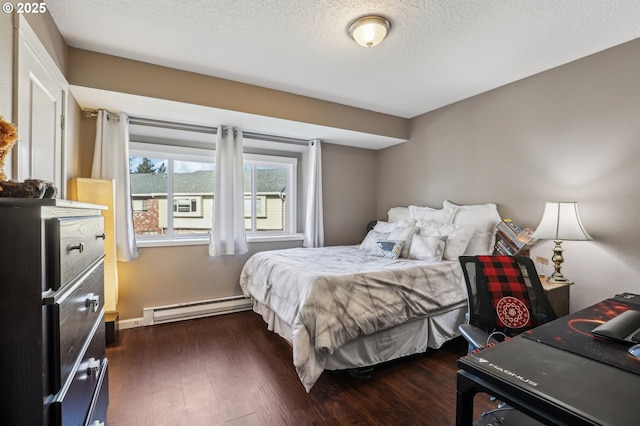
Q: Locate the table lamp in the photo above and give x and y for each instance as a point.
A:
(560, 221)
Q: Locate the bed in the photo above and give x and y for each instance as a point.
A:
(397, 293)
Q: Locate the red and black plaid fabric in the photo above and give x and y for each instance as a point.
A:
(507, 290)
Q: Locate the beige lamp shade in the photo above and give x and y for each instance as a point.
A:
(561, 221)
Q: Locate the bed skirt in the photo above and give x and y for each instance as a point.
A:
(406, 339)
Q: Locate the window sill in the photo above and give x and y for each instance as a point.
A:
(200, 241)
(167, 242)
(272, 238)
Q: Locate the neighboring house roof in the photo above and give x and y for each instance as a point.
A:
(202, 182)
(267, 180)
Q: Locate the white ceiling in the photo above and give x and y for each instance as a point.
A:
(438, 51)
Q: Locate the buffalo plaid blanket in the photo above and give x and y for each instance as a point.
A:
(508, 291)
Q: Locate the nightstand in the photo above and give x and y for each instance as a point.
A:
(558, 295)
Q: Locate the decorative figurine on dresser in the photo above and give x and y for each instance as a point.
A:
(52, 335)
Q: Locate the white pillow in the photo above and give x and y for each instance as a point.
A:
(421, 223)
(458, 237)
(481, 243)
(485, 218)
(382, 226)
(371, 238)
(427, 248)
(398, 213)
(403, 234)
(443, 215)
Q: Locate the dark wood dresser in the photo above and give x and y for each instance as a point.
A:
(53, 367)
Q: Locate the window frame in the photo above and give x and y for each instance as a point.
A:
(185, 152)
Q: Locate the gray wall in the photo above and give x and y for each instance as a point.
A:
(568, 134)
(349, 191)
(6, 74)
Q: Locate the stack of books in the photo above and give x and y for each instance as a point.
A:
(511, 240)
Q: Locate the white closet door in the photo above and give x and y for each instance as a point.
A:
(42, 92)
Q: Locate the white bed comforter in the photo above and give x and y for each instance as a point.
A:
(331, 295)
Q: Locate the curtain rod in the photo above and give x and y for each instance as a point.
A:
(93, 113)
(173, 125)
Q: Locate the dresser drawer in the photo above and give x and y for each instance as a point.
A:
(100, 403)
(73, 244)
(73, 404)
(71, 317)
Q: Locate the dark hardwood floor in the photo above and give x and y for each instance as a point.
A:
(230, 370)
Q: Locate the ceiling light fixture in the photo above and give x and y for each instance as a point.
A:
(370, 30)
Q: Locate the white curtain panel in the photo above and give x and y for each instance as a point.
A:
(314, 226)
(111, 161)
(228, 236)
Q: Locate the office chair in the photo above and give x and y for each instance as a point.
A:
(505, 299)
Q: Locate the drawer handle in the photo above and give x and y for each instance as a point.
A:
(102, 236)
(79, 247)
(94, 366)
(93, 300)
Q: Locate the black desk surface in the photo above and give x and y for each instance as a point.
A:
(590, 390)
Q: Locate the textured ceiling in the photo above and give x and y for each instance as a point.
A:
(438, 51)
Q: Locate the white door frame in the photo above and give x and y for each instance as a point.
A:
(27, 42)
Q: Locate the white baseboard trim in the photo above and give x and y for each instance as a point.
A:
(130, 323)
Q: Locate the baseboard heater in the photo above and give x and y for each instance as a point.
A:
(191, 310)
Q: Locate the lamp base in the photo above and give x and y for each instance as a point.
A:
(557, 259)
(560, 280)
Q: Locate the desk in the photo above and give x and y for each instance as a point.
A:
(551, 385)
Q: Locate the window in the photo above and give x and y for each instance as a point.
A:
(140, 205)
(172, 191)
(269, 194)
(163, 176)
(187, 206)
